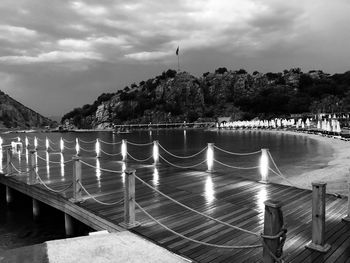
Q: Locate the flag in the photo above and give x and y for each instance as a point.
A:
(177, 51)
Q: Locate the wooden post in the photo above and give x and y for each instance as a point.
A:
(273, 225)
(77, 196)
(36, 209)
(9, 195)
(32, 175)
(347, 218)
(318, 218)
(129, 199)
(9, 167)
(68, 225)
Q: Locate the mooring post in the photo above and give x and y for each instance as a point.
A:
(347, 218)
(318, 218)
(274, 234)
(156, 153)
(9, 168)
(264, 166)
(68, 225)
(77, 147)
(77, 195)
(9, 195)
(210, 158)
(32, 172)
(129, 199)
(36, 208)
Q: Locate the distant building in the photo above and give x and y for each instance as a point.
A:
(223, 119)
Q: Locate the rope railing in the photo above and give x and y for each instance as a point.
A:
(86, 150)
(101, 169)
(49, 188)
(139, 160)
(182, 157)
(236, 167)
(87, 142)
(19, 172)
(68, 141)
(279, 173)
(194, 240)
(53, 149)
(235, 153)
(44, 159)
(195, 211)
(140, 144)
(98, 201)
(69, 148)
(110, 143)
(52, 142)
(110, 154)
(179, 166)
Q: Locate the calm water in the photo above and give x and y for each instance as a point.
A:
(294, 155)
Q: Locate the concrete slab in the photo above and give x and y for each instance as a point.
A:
(114, 247)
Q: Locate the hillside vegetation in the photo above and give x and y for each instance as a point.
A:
(174, 97)
(15, 115)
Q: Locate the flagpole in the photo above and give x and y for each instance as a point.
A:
(178, 59)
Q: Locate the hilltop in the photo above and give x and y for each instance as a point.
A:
(179, 96)
(15, 115)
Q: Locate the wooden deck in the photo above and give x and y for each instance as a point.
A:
(222, 195)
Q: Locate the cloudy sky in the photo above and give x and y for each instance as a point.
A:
(56, 55)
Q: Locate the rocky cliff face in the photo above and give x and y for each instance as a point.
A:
(15, 115)
(173, 97)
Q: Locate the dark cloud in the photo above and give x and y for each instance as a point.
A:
(70, 52)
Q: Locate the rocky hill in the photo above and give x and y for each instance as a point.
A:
(15, 115)
(174, 97)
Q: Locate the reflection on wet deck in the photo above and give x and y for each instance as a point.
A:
(234, 200)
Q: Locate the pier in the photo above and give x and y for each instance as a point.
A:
(192, 208)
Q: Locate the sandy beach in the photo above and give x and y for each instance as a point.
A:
(335, 174)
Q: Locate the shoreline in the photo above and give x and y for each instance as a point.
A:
(335, 174)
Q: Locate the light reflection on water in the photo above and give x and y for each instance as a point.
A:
(98, 172)
(62, 165)
(261, 197)
(155, 177)
(209, 192)
(48, 164)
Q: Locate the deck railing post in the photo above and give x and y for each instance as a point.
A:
(264, 166)
(210, 158)
(32, 172)
(124, 150)
(274, 233)
(9, 168)
(129, 199)
(156, 153)
(62, 145)
(347, 218)
(318, 218)
(77, 195)
(98, 148)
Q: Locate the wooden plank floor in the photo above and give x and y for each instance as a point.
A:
(222, 195)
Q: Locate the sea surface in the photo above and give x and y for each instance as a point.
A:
(293, 154)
